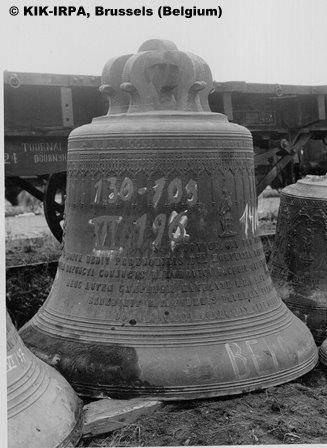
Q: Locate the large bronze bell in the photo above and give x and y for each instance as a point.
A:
(299, 261)
(323, 353)
(162, 289)
(43, 410)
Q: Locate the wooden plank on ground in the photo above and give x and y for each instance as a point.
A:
(106, 415)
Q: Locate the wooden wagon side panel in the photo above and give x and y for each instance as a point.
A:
(32, 108)
(40, 111)
(34, 156)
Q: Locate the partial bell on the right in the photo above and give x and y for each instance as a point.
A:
(299, 262)
(323, 353)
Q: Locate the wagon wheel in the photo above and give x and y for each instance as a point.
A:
(54, 210)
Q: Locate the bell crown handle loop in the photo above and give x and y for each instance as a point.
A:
(111, 80)
(204, 76)
(195, 82)
(153, 80)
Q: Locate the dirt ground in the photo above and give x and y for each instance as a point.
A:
(294, 413)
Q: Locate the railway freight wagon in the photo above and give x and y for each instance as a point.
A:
(288, 124)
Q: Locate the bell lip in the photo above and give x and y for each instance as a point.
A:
(283, 378)
(233, 386)
(76, 432)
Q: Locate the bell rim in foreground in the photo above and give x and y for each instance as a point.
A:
(42, 408)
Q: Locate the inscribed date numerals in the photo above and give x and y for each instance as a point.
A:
(249, 219)
(112, 232)
(110, 190)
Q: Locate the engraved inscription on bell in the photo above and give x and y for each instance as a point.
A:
(162, 288)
